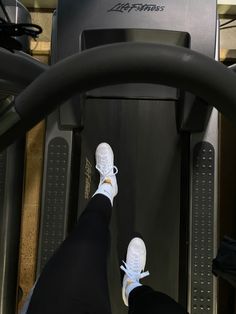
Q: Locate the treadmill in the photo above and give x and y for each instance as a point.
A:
(165, 142)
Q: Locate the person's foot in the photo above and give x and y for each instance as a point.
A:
(105, 165)
(134, 267)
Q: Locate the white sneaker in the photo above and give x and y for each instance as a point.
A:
(105, 165)
(134, 267)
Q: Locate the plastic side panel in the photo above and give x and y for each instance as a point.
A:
(198, 18)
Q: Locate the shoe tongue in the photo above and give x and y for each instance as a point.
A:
(107, 170)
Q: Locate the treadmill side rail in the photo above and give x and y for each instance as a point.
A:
(55, 199)
(203, 219)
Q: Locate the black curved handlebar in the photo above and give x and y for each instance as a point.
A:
(123, 63)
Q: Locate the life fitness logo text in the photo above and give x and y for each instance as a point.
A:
(137, 7)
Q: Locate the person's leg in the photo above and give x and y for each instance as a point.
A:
(143, 299)
(75, 280)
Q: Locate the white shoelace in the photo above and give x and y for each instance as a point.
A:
(134, 276)
(110, 172)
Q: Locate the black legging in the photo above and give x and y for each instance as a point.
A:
(74, 281)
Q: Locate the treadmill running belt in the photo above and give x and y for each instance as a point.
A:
(149, 173)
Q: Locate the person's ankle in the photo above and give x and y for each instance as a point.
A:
(106, 189)
(131, 286)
